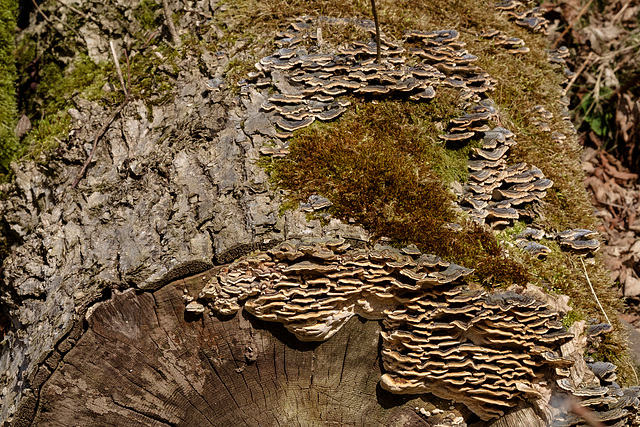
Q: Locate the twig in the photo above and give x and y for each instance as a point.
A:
(635, 374)
(577, 74)
(111, 118)
(76, 10)
(151, 36)
(619, 14)
(118, 70)
(168, 16)
(596, 87)
(46, 18)
(375, 19)
(576, 19)
(583, 412)
(594, 292)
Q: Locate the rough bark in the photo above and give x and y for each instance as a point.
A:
(169, 189)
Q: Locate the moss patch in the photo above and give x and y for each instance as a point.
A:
(8, 109)
(382, 165)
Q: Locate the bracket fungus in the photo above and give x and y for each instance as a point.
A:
(312, 77)
(497, 192)
(441, 334)
(608, 402)
(579, 240)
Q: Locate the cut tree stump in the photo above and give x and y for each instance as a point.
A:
(142, 362)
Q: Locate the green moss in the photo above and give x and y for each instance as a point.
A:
(152, 75)
(149, 15)
(572, 317)
(8, 109)
(45, 136)
(383, 165)
(82, 77)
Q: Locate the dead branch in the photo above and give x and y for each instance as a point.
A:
(594, 292)
(74, 9)
(118, 70)
(572, 23)
(46, 18)
(577, 74)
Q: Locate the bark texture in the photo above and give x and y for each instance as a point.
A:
(170, 188)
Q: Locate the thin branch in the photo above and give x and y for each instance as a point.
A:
(587, 415)
(46, 18)
(594, 292)
(76, 10)
(168, 16)
(111, 118)
(619, 14)
(577, 74)
(118, 70)
(575, 20)
(375, 19)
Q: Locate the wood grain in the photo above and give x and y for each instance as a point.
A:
(142, 362)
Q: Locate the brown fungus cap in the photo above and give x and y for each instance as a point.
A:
(536, 249)
(462, 136)
(293, 125)
(491, 154)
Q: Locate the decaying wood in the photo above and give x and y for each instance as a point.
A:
(142, 362)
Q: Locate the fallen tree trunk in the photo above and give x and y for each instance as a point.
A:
(96, 280)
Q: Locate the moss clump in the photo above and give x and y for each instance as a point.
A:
(60, 82)
(44, 136)
(149, 15)
(8, 109)
(382, 165)
(572, 317)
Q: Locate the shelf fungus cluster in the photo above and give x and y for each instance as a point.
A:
(496, 193)
(310, 83)
(575, 240)
(579, 240)
(542, 119)
(441, 334)
(526, 240)
(530, 19)
(609, 404)
(510, 44)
